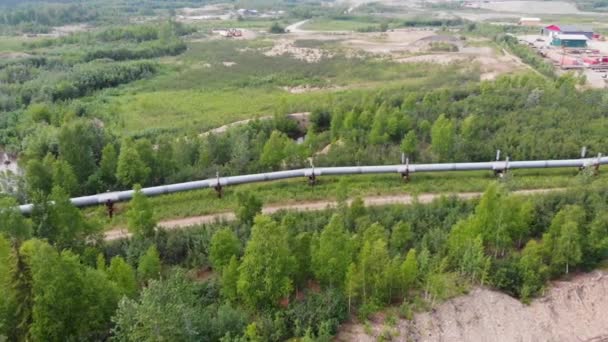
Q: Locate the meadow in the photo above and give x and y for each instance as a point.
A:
(198, 91)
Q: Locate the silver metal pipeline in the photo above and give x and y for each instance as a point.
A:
(403, 169)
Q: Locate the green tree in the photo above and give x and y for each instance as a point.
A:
(474, 262)
(71, 301)
(108, 165)
(409, 271)
(598, 236)
(131, 169)
(66, 226)
(38, 178)
(356, 211)
(140, 217)
(563, 241)
(568, 249)
(230, 278)
(7, 304)
(273, 152)
(100, 263)
(393, 276)
(352, 285)
(301, 250)
(409, 144)
(77, 140)
(267, 265)
(166, 311)
(532, 270)
(248, 206)
(373, 259)
(330, 259)
(442, 137)
(276, 28)
(149, 265)
(224, 245)
(64, 177)
(123, 276)
(12, 223)
(401, 236)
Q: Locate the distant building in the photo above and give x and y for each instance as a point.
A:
(529, 21)
(570, 40)
(553, 30)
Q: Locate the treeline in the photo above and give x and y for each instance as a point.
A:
(30, 85)
(39, 18)
(129, 34)
(422, 22)
(264, 278)
(102, 60)
(141, 51)
(527, 55)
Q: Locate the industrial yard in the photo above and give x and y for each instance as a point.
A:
(578, 49)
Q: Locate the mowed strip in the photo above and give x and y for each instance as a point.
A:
(121, 233)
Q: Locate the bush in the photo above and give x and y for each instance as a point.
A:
(276, 28)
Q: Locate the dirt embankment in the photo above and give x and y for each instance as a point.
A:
(575, 310)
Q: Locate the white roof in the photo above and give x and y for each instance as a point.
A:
(572, 37)
(529, 19)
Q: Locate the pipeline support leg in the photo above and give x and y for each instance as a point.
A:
(312, 180)
(218, 190)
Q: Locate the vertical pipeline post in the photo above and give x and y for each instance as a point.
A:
(312, 178)
(583, 155)
(405, 175)
(218, 186)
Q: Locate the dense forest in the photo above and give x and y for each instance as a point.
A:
(264, 278)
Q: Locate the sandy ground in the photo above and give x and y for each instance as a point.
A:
(14, 55)
(120, 233)
(60, 31)
(575, 310)
(396, 41)
(408, 45)
(287, 47)
(295, 28)
(8, 163)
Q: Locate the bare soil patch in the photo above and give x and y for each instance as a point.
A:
(14, 55)
(575, 310)
(287, 47)
(532, 7)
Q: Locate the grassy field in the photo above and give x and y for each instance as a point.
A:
(202, 202)
(198, 91)
(12, 43)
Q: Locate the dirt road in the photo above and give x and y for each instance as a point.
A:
(121, 233)
(295, 28)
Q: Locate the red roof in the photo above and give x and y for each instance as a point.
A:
(553, 28)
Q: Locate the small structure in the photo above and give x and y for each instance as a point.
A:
(577, 41)
(553, 30)
(529, 21)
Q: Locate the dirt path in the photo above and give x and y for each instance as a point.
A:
(295, 28)
(575, 310)
(121, 233)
